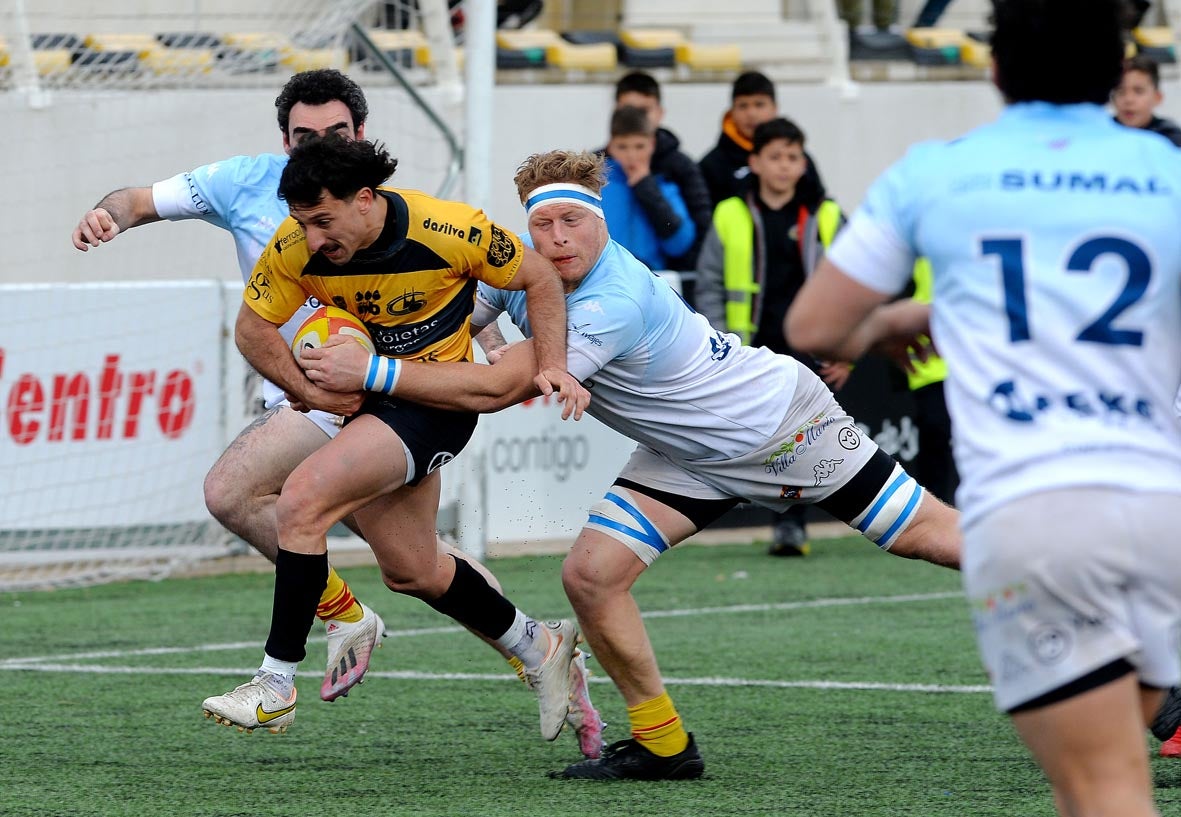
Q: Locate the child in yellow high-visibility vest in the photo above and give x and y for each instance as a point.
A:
(933, 466)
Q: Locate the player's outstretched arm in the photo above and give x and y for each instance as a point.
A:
(119, 210)
(835, 317)
(545, 303)
(341, 364)
(491, 340)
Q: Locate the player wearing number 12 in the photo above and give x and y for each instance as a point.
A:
(1053, 239)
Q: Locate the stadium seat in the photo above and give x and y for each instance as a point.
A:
(405, 47)
(54, 53)
(148, 51)
(254, 51)
(52, 61)
(269, 46)
(511, 58)
(693, 55)
(113, 52)
(976, 51)
(152, 54)
(190, 39)
(183, 53)
(709, 56)
(652, 37)
(935, 46)
(559, 52)
(625, 54)
(49, 42)
(1157, 42)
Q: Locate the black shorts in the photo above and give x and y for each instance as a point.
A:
(434, 436)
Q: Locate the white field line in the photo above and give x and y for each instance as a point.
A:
(67, 663)
(413, 675)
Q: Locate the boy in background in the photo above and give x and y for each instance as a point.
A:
(762, 245)
(644, 211)
(640, 90)
(752, 102)
(1138, 95)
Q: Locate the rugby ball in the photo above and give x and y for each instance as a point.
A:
(325, 322)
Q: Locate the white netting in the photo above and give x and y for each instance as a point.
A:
(212, 43)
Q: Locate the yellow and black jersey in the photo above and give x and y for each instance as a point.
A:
(414, 287)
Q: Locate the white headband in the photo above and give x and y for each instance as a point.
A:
(564, 194)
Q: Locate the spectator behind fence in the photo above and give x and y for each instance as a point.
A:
(1137, 97)
(761, 247)
(644, 211)
(640, 90)
(934, 464)
(752, 102)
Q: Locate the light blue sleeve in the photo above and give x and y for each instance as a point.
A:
(216, 185)
(878, 246)
(892, 200)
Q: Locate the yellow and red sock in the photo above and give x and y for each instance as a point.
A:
(519, 667)
(657, 726)
(338, 602)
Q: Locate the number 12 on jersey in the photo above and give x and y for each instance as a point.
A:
(1011, 252)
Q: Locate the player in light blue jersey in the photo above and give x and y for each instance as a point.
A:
(716, 423)
(1054, 241)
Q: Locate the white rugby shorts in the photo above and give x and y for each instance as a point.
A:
(1064, 582)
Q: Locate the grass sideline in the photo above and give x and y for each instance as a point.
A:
(843, 683)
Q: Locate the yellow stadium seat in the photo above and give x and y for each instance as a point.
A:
(258, 41)
(559, 52)
(411, 40)
(308, 59)
(975, 53)
(1154, 36)
(114, 52)
(1157, 42)
(164, 60)
(48, 61)
(52, 61)
(936, 45)
(268, 44)
(652, 37)
(152, 54)
(709, 57)
(120, 42)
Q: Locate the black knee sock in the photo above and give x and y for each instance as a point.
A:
(472, 602)
(300, 579)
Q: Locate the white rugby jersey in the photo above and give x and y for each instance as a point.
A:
(658, 373)
(240, 195)
(1054, 236)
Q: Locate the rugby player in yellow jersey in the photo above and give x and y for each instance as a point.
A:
(407, 264)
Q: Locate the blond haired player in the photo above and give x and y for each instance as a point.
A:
(716, 422)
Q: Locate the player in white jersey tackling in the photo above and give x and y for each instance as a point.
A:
(240, 195)
(1053, 236)
(716, 422)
